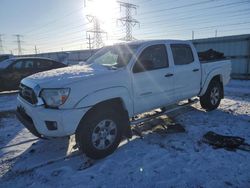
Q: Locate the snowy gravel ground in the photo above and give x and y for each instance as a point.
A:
(157, 160)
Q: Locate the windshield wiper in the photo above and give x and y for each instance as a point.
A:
(111, 67)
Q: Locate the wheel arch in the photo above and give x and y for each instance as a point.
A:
(211, 78)
(119, 104)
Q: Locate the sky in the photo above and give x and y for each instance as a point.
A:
(61, 25)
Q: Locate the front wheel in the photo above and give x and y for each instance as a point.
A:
(100, 134)
(211, 99)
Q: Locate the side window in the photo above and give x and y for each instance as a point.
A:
(56, 64)
(182, 54)
(18, 65)
(28, 64)
(43, 64)
(153, 57)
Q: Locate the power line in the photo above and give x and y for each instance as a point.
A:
(179, 7)
(128, 21)
(200, 28)
(54, 21)
(183, 18)
(197, 21)
(168, 12)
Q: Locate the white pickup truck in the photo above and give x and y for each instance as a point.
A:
(96, 100)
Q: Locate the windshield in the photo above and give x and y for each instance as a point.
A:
(114, 56)
(4, 64)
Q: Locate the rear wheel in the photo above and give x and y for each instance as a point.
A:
(211, 99)
(100, 134)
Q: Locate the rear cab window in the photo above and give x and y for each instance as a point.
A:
(182, 54)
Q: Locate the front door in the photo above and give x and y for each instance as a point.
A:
(152, 79)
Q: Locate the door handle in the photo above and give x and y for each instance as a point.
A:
(195, 70)
(168, 75)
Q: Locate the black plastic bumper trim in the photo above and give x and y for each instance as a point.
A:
(27, 122)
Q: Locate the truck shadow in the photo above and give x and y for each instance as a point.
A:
(36, 154)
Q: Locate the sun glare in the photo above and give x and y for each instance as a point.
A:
(106, 11)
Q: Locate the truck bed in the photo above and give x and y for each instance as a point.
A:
(222, 66)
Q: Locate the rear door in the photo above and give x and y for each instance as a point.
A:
(152, 79)
(187, 71)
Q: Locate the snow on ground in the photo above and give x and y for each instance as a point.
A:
(157, 160)
(7, 101)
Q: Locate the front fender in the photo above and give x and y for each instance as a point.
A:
(101, 95)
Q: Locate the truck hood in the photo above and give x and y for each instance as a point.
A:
(63, 76)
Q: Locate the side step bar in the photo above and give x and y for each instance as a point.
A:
(170, 108)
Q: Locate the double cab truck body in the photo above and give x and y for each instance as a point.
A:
(96, 100)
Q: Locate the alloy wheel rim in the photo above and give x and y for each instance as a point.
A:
(215, 95)
(104, 134)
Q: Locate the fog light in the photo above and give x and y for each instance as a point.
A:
(51, 125)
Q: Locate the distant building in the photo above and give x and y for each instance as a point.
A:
(236, 48)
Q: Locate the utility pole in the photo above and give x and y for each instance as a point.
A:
(128, 21)
(1, 44)
(18, 41)
(96, 31)
(216, 32)
(192, 35)
(35, 49)
(90, 43)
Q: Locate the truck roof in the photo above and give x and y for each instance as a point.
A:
(44, 58)
(142, 42)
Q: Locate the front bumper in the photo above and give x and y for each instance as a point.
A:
(34, 117)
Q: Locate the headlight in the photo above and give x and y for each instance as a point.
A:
(55, 97)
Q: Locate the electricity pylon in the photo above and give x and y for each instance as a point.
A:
(128, 21)
(18, 41)
(96, 31)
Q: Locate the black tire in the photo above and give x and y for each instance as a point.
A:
(84, 134)
(207, 101)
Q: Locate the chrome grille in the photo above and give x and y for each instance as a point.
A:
(27, 94)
